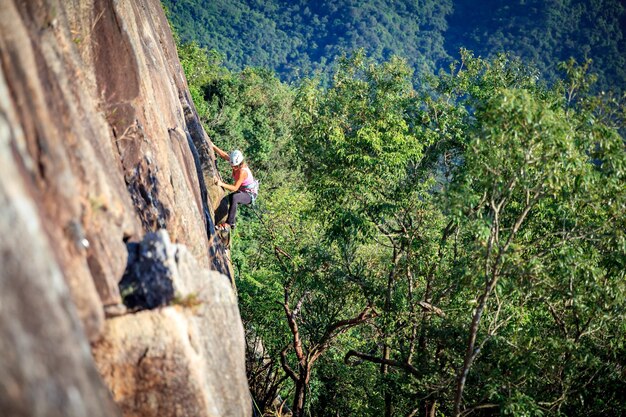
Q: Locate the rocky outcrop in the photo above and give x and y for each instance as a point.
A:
(164, 362)
(149, 278)
(99, 144)
(45, 367)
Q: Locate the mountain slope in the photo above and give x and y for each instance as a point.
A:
(296, 38)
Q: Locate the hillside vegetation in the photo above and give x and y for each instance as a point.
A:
(424, 244)
(453, 248)
(297, 37)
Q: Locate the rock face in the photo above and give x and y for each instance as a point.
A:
(148, 280)
(46, 368)
(164, 362)
(99, 144)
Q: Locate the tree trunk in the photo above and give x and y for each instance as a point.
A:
(431, 409)
(384, 369)
(299, 399)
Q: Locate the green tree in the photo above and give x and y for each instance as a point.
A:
(525, 166)
(457, 249)
(362, 148)
(317, 304)
(504, 186)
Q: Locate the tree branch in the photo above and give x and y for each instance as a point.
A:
(340, 327)
(293, 326)
(285, 365)
(431, 308)
(375, 359)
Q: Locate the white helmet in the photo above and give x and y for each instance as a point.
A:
(236, 157)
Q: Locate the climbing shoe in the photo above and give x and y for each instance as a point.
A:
(223, 227)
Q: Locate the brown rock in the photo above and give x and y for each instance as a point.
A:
(166, 363)
(186, 360)
(46, 368)
(108, 139)
(99, 144)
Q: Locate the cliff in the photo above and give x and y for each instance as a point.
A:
(100, 144)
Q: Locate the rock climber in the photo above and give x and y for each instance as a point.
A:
(244, 190)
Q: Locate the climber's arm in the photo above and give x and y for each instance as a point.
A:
(220, 152)
(234, 187)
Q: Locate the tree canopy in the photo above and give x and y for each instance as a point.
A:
(457, 247)
(296, 38)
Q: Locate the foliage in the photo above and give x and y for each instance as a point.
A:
(357, 141)
(298, 38)
(533, 194)
(545, 33)
(450, 250)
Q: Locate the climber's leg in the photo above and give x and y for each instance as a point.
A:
(240, 197)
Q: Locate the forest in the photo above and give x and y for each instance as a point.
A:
(439, 244)
(298, 38)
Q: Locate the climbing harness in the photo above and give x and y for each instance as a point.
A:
(252, 189)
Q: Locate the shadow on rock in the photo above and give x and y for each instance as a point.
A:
(148, 280)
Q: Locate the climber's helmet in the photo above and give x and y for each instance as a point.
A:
(236, 157)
